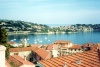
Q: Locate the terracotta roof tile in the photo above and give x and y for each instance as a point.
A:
(42, 53)
(11, 42)
(62, 41)
(7, 64)
(75, 47)
(23, 49)
(85, 59)
(49, 47)
(19, 61)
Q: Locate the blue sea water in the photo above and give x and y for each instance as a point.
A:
(76, 38)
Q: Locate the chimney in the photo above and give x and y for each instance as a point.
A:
(25, 58)
(2, 56)
(25, 42)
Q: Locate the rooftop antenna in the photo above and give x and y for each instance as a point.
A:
(65, 65)
(79, 61)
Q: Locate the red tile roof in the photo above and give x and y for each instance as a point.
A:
(35, 45)
(49, 47)
(23, 49)
(18, 61)
(43, 53)
(75, 47)
(62, 41)
(11, 42)
(7, 64)
(85, 59)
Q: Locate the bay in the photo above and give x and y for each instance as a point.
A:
(76, 38)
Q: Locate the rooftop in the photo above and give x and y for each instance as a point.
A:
(49, 47)
(7, 64)
(22, 49)
(43, 53)
(62, 41)
(85, 59)
(75, 47)
(18, 60)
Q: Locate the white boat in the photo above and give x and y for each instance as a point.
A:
(48, 40)
(35, 42)
(45, 37)
(27, 39)
(14, 39)
(40, 41)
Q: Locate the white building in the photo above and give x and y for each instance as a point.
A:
(2, 56)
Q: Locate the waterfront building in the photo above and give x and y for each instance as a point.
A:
(14, 44)
(74, 49)
(63, 43)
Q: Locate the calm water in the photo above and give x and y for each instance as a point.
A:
(76, 38)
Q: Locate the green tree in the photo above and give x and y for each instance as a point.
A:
(3, 36)
(4, 40)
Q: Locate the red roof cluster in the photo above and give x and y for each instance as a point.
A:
(41, 52)
(85, 59)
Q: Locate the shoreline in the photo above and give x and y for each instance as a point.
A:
(26, 33)
(12, 33)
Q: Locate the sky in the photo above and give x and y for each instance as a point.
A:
(51, 11)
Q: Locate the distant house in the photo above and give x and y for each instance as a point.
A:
(63, 43)
(32, 54)
(24, 51)
(14, 44)
(59, 51)
(74, 49)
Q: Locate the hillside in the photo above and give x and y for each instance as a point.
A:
(19, 26)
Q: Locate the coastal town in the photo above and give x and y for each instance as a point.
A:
(61, 53)
(22, 27)
(49, 33)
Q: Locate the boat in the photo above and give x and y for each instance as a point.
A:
(40, 41)
(48, 40)
(27, 39)
(35, 42)
(14, 39)
(45, 37)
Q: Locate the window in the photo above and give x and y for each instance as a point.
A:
(15, 53)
